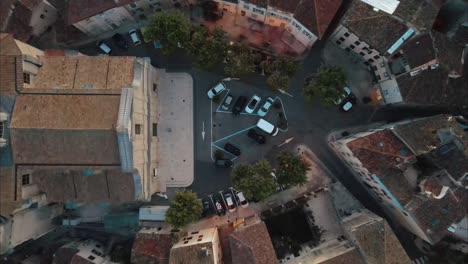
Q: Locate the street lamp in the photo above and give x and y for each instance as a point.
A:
(285, 142)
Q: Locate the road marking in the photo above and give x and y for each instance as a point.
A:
(211, 126)
(213, 145)
(224, 98)
(237, 133)
(203, 131)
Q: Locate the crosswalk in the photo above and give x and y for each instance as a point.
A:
(420, 260)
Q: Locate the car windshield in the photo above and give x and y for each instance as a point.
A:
(266, 105)
(253, 103)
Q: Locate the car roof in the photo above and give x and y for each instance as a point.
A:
(347, 106)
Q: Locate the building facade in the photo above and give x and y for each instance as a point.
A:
(202, 246)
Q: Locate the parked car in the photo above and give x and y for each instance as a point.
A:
(219, 207)
(239, 105)
(259, 138)
(104, 47)
(207, 209)
(216, 90)
(253, 103)
(242, 201)
(265, 107)
(230, 203)
(134, 36)
(227, 102)
(232, 149)
(120, 41)
(267, 127)
(227, 163)
(281, 121)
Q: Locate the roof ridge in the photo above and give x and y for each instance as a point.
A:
(243, 244)
(382, 152)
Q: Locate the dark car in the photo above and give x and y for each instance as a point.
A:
(227, 163)
(207, 208)
(232, 149)
(239, 105)
(120, 41)
(281, 121)
(259, 138)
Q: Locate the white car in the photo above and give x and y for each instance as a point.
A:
(230, 203)
(265, 107)
(134, 36)
(104, 47)
(253, 103)
(242, 201)
(216, 90)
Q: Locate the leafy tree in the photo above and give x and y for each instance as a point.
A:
(279, 71)
(170, 28)
(240, 61)
(291, 170)
(255, 180)
(278, 81)
(183, 209)
(328, 85)
(209, 50)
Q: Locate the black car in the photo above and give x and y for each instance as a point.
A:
(239, 105)
(120, 41)
(207, 208)
(232, 149)
(227, 163)
(259, 138)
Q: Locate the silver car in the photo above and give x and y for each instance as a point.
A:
(227, 103)
(253, 103)
(216, 90)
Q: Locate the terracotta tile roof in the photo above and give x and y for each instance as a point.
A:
(252, 245)
(419, 50)
(224, 232)
(192, 254)
(434, 87)
(449, 53)
(351, 256)
(436, 215)
(261, 3)
(377, 241)
(72, 185)
(286, 6)
(83, 74)
(45, 129)
(152, 247)
(317, 15)
(385, 156)
(378, 29)
(420, 14)
(81, 9)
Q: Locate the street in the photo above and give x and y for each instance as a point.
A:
(309, 123)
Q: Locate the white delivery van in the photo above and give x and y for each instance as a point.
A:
(267, 127)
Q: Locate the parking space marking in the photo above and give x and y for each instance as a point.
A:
(234, 134)
(244, 113)
(213, 145)
(221, 103)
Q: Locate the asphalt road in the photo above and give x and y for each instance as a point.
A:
(309, 123)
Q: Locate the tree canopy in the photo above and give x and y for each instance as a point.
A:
(184, 209)
(240, 61)
(255, 181)
(292, 170)
(172, 29)
(328, 85)
(208, 50)
(280, 71)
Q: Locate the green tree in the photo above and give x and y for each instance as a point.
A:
(279, 71)
(291, 170)
(255, 180)
(328, 85)
(208, 50)
(183, 209)
(278, 81)
(172, 29)
(240, 61)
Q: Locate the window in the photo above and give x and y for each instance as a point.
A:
(193, 233)
(42, 16)
(362, 53)
(357, 43)
(155, 129)
(138, 129)
(25, 179)
(155, 87)
(352, 46)
(346, 34)
(256, 10)
(140, 10)
(96, 252)
(338, 42)
(366, 63)
(243, 13)
(341, 39)
(98, 246)
(370, 60)
(27, 78)
(246, 7)
(348, 49)
(133, 5)
(1, 129)
(91, 257)
(376, 57)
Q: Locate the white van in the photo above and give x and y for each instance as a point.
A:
(267, 127)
